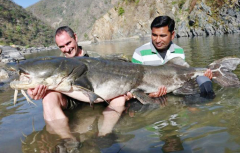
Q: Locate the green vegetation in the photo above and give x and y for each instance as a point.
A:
(137, 1)
(120, 11)
(178, 20)
(216, 4)
(86, 37)
(19, 27)
(181, 3)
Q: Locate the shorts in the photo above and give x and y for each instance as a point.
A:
(72, 103)
(206, 89)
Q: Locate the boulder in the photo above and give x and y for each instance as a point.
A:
(10, 54)
(3, 75)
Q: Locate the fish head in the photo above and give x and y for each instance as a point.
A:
(45, 71)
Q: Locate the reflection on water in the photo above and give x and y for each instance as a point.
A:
(181, 124)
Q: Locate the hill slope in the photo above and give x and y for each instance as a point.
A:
(19, 27)
(193, 18)
(79, 15)
(113, 19)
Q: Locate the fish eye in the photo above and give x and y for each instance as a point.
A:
(21, 71)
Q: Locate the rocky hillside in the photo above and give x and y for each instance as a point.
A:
(193, 18)
(101, 20)
(19, 27)
(79, 15)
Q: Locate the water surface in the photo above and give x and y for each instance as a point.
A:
(180, 124)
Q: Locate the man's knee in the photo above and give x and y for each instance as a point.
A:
(205, 85)
(54, 99)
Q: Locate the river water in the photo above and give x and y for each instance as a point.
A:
(180, 124)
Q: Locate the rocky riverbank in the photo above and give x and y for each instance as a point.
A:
(8, 54)
(192, 17)
(12, 54)
(16, 53)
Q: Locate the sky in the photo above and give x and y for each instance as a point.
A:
(25, 3)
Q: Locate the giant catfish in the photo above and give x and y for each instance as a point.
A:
(95, 79)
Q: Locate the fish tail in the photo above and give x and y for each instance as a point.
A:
(222, 71)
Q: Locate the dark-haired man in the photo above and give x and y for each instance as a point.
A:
(161, 49)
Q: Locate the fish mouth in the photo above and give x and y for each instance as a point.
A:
(24, 77)
(16, 83)
(24, 82)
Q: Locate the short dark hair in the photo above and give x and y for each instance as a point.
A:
(66, 29)
(162, 21)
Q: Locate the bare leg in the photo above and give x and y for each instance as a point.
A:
(53, 103)
(111, 115)
(60, 127)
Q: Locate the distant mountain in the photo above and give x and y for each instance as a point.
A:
(19, 27)
(132, 18)
(80, 15)
(101, 20)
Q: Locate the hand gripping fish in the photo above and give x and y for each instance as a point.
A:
(96, 80)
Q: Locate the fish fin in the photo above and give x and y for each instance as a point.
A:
(189, 88)
(142, 97)
(222, 71)
(86, 86)
(83, 82)
(91, 95)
